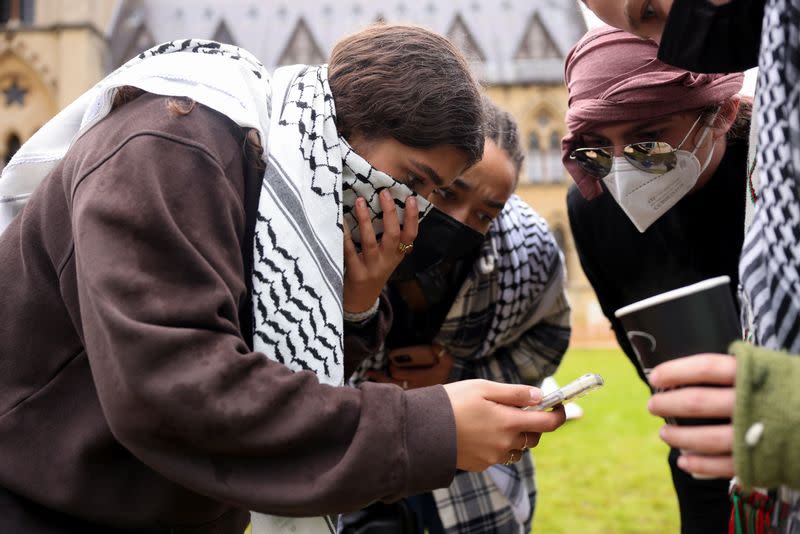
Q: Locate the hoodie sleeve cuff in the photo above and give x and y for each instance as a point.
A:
(430, 440)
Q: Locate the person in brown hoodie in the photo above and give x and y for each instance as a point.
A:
(131, 399)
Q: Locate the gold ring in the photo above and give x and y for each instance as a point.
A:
(511, 459)
(402, 248)
(525, 445)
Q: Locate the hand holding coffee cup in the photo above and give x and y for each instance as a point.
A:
(707, 450)
(680, 338)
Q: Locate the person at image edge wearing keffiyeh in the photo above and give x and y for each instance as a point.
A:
(499, 312)
(762, 449)
(174, 282)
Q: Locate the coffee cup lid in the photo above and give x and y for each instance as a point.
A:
(673, 294)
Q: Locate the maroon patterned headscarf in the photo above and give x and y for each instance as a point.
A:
(614, 76)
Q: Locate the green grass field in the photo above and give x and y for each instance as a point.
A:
(607, 472)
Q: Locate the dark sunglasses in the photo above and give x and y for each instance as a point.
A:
(654, 157)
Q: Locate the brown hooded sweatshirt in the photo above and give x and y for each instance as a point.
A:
(130, 398)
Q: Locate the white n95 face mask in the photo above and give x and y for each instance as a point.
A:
(644, 197)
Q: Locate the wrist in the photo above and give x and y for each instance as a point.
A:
(362, 316)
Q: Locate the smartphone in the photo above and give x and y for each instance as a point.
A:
(577, 388)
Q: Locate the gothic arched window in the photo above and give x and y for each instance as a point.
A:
(19, 10)
(26, 11)
(534, 159)
(555, 169)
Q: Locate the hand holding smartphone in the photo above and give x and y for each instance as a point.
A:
(574, 390)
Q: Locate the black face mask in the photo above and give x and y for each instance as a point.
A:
(702, 37)
(441, 241)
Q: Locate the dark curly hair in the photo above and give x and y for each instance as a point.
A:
(502, 129)
(740, 129)
(407, 83)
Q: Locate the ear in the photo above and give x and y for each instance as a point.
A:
(726, 117)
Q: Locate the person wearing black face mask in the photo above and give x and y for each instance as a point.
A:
(443, 249)
(481, 296)
(704, 36)
(760, 384)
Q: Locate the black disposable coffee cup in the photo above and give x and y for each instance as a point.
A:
(689, 320)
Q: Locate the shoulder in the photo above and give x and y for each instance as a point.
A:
(519, 215)
(146, 149)
(578, 206)
(586, 217)
(520, 229)
(150, 116)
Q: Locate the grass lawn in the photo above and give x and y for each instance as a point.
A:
(607, 472)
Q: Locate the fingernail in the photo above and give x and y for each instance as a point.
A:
(385, 194)
(650, 405)
(683, 463)
(653, 376)
(361, 203)
(411, 202)
(662, 432)
(536, 395)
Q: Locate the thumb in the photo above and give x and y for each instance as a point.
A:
(512, 394)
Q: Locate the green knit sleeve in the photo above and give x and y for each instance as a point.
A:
(766, 418)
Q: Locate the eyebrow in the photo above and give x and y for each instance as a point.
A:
(654, 125)
(432, 174)
(461, 184)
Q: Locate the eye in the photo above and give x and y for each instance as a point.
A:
(484, 217)
(649, 12)
(445, 193)
(594, 142)
(650, 136)
(414, 181)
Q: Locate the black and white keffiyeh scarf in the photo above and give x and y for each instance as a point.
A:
(311, 181)
(770, 264)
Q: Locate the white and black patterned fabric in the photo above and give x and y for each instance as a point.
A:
(508, 323)
(770, 267)
(312, 180)
(298, 248)
(770, 264)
